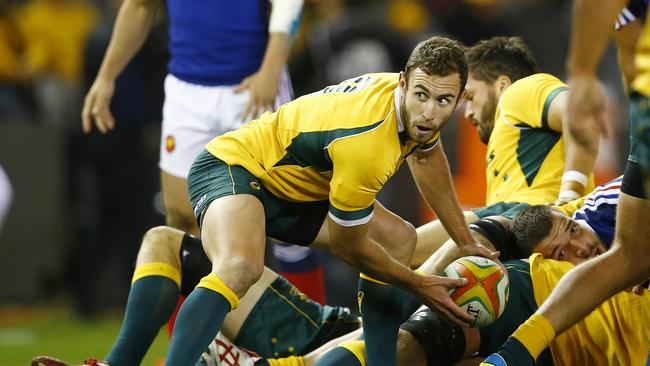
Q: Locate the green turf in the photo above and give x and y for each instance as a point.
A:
(56, 333)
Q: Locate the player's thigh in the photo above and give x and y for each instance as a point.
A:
(233, 235)
(431, 236)
(427, 335)
(178, 209)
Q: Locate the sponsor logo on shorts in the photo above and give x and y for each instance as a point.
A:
(170, 143)
(360, 296)
(255, 185)
(197, 207)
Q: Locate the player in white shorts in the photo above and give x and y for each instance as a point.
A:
(227, 66)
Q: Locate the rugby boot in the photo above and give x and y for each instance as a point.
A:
(50, 361)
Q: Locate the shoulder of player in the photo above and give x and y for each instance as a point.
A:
(531, 85)
(528, 100)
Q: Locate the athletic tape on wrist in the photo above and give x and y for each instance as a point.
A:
(285, 16)
(575, 176)
(568, 195)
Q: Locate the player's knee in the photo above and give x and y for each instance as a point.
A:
(240, 273)
(409, 351)
(160, 244)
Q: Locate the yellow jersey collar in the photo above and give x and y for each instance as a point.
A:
(400, 124)
(401, 131)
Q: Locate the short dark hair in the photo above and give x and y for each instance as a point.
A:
(530, 226)
(439, 56)
(509, 56)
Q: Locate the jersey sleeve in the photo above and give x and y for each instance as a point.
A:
(526, 102)
(357, 177)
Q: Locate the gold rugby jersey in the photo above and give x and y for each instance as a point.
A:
(342, 143)
(641, 82)
(525, 157)
(616, 333)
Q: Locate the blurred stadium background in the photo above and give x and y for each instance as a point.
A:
(81, 203)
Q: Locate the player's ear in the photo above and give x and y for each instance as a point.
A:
(402, 80)
(461, 99)
(502, 83)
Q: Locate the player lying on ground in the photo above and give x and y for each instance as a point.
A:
(615, 331)
(615, 334)
(274, 318)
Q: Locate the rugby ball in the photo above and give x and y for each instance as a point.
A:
(486, 294)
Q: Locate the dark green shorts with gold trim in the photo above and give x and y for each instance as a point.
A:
(292, 222)
(507, 209)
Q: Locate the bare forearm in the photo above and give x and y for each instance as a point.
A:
(132, 26)
(581, 151)
(449, 251)
(437, 262)
(372, 260)
(593, 24)
(277, 53)
(432, 176)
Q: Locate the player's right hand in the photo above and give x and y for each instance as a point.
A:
(97, 107)
(434, 293)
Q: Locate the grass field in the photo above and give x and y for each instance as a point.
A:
(56, 332)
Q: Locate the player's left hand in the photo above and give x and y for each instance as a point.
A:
(477, 248)
(263, 88)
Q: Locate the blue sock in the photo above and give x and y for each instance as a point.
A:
(198, 322)
(383, 308)
(151, 302)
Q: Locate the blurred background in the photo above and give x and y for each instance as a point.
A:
(75, 206)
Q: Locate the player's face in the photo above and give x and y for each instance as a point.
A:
(480, 106)
(427, 103)
(569, 241)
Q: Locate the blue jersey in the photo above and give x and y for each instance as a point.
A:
(599, 210)
(217, 42)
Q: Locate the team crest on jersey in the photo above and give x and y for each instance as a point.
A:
(170, 143)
